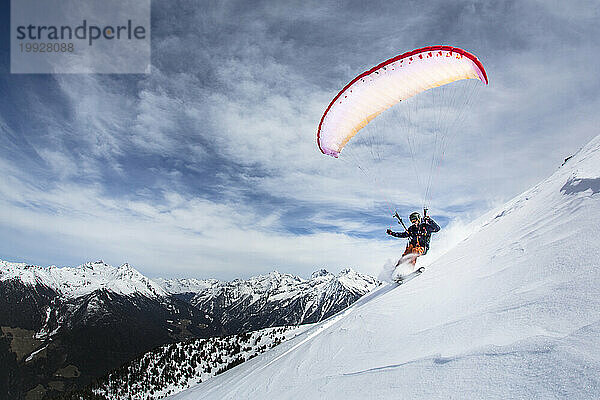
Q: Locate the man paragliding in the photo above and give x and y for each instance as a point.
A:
(395, 82)
(419, 235)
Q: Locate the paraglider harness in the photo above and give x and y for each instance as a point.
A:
(418, 247)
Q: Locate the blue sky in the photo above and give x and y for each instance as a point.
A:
(208, 166)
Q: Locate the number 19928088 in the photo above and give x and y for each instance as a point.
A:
(47, 47)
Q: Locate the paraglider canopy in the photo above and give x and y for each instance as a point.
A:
(394, 80)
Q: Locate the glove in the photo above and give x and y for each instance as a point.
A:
(389, 231)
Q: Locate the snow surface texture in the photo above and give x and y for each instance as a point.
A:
(513, 311)
(85, 279)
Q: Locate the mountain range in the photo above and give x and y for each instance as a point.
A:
(64, 327)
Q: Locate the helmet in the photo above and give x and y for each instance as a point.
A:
(415, 217)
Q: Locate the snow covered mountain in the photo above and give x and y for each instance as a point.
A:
(513, 311)
(90, 319)
(63, 327)
(77, 294)
(183, 286)
(273, 300)
(83, 280)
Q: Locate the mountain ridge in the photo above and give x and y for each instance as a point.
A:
(92, 318)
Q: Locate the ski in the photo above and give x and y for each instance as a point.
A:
(414, 274)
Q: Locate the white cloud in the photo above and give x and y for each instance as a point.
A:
(192, 237)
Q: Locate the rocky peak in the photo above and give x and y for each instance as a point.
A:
(319, 273)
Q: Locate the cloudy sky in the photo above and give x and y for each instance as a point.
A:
(208, 166)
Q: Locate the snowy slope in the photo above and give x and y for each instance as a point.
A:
(513, 311)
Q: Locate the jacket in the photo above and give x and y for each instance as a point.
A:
(419, 235)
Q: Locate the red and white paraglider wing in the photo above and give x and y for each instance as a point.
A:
(388, 83)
